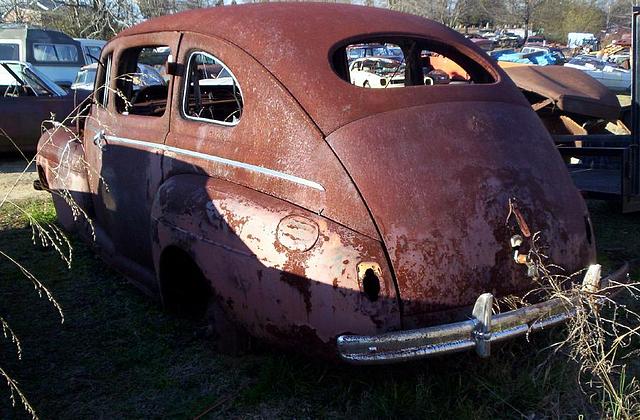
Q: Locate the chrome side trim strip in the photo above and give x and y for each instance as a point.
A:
(218, 159)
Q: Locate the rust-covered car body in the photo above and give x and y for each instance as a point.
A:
(323, 214)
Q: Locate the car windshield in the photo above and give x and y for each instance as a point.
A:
(17, 75)
(150, 76)
(384, 51)
(355, 54)
(387, 67)
(92, 53)
(145, 76)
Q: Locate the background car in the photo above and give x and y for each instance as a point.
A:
(482, 42)
(609, 74)
(377, 72)
(54, 53)
(535, 40)
(27, 97)
(82, 86)
(374, 50)
(91, 48)
(555, 52)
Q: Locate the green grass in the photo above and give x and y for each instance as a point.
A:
(118, 355)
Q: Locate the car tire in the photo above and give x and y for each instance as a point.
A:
(366, 84)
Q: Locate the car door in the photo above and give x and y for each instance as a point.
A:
(124, 138)
(22, 119)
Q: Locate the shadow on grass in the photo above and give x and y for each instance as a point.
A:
(119, 355)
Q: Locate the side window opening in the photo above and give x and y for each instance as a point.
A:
(141, 85)
(9, 51)
(395, 62)
(212, 92)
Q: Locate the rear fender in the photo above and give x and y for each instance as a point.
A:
(283, 273)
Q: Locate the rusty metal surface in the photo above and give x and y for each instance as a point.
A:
(308, 282)
(571, 90)
(322, 182)
(273, 133)
(440, 190)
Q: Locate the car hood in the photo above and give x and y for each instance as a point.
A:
(438, 180)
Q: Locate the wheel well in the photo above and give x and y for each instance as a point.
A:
(183, 286)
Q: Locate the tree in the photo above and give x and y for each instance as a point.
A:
(444, 11)
(522, 12)
(481, 12)
(617, 12)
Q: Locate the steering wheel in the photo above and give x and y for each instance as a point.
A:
(11, 90)
(230, 116)
(204, 109)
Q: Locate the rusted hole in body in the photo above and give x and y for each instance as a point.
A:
(371, 285)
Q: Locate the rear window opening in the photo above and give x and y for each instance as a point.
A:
(394, 62)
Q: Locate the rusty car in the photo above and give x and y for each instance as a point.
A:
(290, 204)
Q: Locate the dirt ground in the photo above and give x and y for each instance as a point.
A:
(11, 173)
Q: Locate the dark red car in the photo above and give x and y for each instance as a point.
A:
(306, 210)
(27, 98)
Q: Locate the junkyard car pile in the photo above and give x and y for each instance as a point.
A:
(300, 206)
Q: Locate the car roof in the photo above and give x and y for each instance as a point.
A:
(311, 32)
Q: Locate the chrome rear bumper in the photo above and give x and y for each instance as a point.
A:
(477, 333)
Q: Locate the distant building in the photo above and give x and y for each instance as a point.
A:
(29, 12)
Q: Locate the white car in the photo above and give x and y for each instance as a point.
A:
(609, 74)
(377, 72)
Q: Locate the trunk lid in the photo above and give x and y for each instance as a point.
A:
(438, 179)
